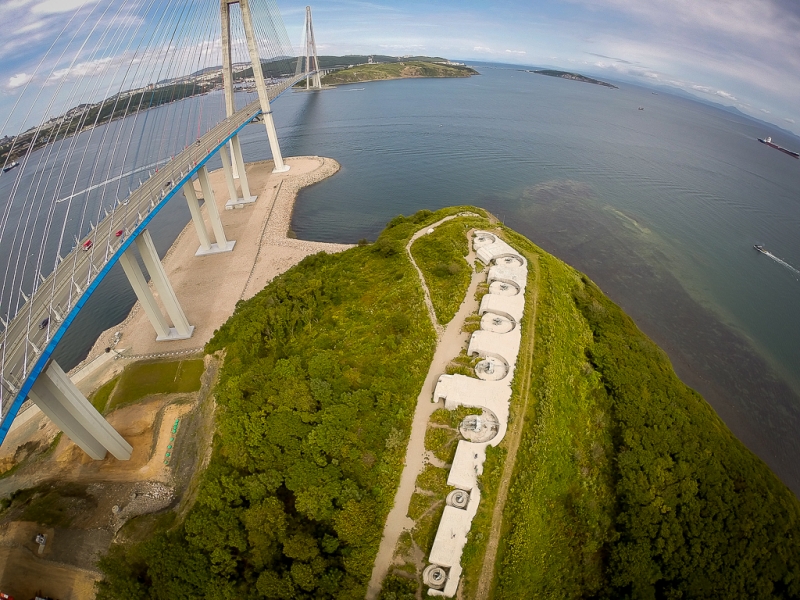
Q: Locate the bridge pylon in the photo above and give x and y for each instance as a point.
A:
(312, 60)
(258, 76)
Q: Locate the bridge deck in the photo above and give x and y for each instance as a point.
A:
(25, 349)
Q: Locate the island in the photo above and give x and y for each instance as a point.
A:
(318, 458)
(396, 70)
(572, 76)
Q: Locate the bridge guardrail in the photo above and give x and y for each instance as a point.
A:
(25, 349)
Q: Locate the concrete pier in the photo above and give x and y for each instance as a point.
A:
(222, 245)
(181, 329)
(231, 170)
(68, 408)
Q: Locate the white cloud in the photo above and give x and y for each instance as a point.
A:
(49, 7)
(30, 27)
(788, 120)
(482, 49)
(516, 52)
(18, 80)
(726, 95)
(88, 68)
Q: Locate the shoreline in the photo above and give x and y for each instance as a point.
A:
(218, 282)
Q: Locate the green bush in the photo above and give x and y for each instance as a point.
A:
(442, 442)
(440, 257)
(396, 587)
(627, 484)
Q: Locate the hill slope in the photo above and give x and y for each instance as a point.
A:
(627, 484)
(399, 70)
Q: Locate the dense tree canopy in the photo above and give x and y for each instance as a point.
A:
(315, 398)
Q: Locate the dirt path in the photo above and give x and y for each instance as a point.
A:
(514, 437)
(449, 344)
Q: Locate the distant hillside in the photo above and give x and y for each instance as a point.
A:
(396, 70)
(572, 76)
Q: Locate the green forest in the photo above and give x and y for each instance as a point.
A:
(321, 373)
(627, 484)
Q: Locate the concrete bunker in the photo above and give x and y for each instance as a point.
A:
(481, 428)
(510, 260)
(458, 499)
(434, 577)
(482, 239)
(512, 307)
(504, 288)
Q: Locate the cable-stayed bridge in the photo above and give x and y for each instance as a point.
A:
(76, 206)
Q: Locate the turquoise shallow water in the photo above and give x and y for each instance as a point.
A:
(659, 206)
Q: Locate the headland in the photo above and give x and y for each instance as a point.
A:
(572, 76)
(334, 460)
(397, 70)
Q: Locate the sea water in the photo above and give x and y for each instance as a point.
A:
(660, 207)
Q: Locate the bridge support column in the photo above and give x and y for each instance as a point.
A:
(230, 175)
(206, 247)
(197, 218)
(261, 87)
(239, 162)
(145, 296)
(182, 330)
(59, 399)
(222, 245)
(164, 288)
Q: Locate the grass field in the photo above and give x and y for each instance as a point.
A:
(144, 378)
(559, 512)
(440, 257)
(100, 397)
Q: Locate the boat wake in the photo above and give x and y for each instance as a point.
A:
(780, 262)
(113, 179)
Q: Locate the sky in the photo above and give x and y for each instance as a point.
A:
(742, 53)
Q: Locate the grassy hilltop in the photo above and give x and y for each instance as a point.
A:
(627, 484)
(396, 70)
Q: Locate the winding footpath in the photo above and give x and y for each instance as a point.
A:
(450, 340)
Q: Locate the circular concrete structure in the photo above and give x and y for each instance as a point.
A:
(491, 369)
(458, 499)
(496, 323)
(483, 239)
(479, 428)
(503, 288)
(509, 261)
(434, 577)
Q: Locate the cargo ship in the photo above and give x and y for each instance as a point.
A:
(769, 142)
